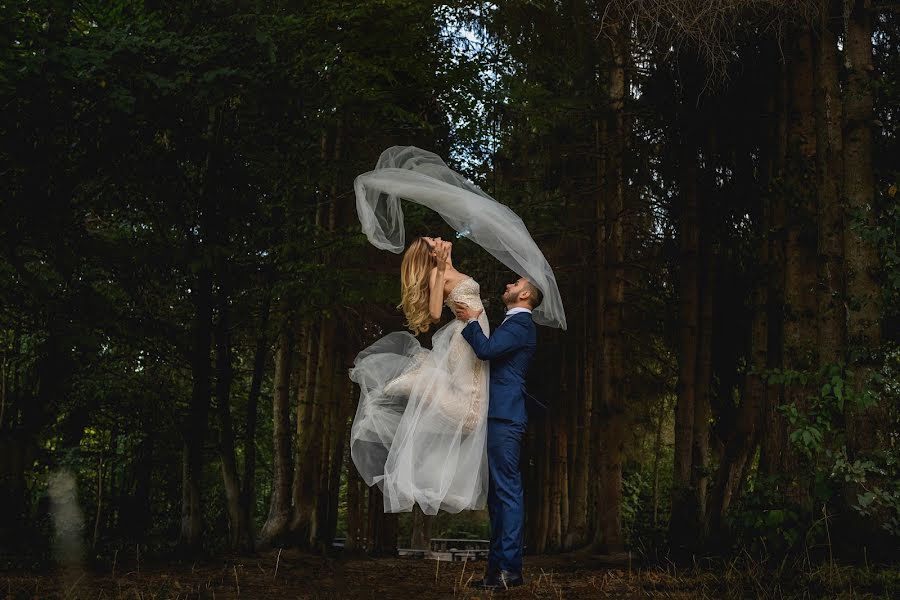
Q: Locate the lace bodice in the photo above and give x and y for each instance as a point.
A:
(466, 292)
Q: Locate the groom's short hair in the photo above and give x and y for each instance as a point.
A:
(535, 297)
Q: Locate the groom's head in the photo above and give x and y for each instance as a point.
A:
(522, 293)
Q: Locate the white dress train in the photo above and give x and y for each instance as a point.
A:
(420, 429)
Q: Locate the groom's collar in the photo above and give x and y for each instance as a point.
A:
(515, 311)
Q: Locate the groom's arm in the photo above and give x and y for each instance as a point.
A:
(508, 338)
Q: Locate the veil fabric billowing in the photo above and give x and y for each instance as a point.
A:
(420, 176)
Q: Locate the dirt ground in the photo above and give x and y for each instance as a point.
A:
(292, 575)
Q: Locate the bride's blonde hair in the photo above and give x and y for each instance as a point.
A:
(415, 271)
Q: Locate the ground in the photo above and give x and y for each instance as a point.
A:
(293, 575)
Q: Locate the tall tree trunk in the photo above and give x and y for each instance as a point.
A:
(276, 526)
(318, 457)
(248, 491)
(772, 440)
(546, 487)
(196, 425)
(608, 526)
(356, 512)
(238, 524)
(328, 390)
(740, 445)
(420, 538)
(201, 369)
(338, 441)
(304, 470)
(701, 427)
(554, 466)
(562, 483)
(864, 313)
(829, 174)
(134, 511)
(382, 529)
(800, 252)
(682, 528)
(577, 529)
(657, 457)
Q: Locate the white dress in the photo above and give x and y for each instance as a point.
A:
(421, 426)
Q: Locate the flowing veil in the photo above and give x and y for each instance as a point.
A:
(420, 429)
(422, 177)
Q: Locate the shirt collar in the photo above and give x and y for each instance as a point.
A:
(517, 310)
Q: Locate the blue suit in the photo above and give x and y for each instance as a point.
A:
(509, 350)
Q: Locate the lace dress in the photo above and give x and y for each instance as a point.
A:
(420, 429)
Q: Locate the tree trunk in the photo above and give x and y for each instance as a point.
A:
(657, 457)
(340, 441)
(682, 528)
(238, 524)
(556, 467)
(195, 431)
(608, 525)
(99, 508)
(356, 512)
(546, 488)
(703, 382)
(863, 292)
(739, 447)
(829, 173)
(276, 526)
(577, 529)
(201, 369)
(772, 440)
(382, 528)
(303, 488)
(800, 252)
(248, 492)
(420, 538)
(135, 501)
(319, 448)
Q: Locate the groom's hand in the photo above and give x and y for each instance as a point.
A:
(464, 313)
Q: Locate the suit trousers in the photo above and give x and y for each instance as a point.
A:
(506, 504)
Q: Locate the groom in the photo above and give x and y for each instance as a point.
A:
(510, 349)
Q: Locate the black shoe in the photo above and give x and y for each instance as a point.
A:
(490, 581)
(509, 579)
(499, 581)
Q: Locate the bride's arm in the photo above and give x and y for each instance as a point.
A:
(436, 281)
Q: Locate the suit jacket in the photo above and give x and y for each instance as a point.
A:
(510, 350)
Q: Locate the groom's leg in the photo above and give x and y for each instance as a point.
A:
(494, 507)
(508, 483)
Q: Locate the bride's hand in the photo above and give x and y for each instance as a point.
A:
(442, 254)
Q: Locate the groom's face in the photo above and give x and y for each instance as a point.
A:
(511, 293)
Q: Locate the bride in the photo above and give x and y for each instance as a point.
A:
(420, 428)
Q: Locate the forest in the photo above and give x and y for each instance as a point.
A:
(184, 288)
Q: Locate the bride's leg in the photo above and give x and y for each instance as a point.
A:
(404, 383)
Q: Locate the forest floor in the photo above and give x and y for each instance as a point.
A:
(292, 574)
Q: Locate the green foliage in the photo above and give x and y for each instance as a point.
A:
(641, 527)
(817, 426)
(878, 479)
(764, 524)
(818, 433)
